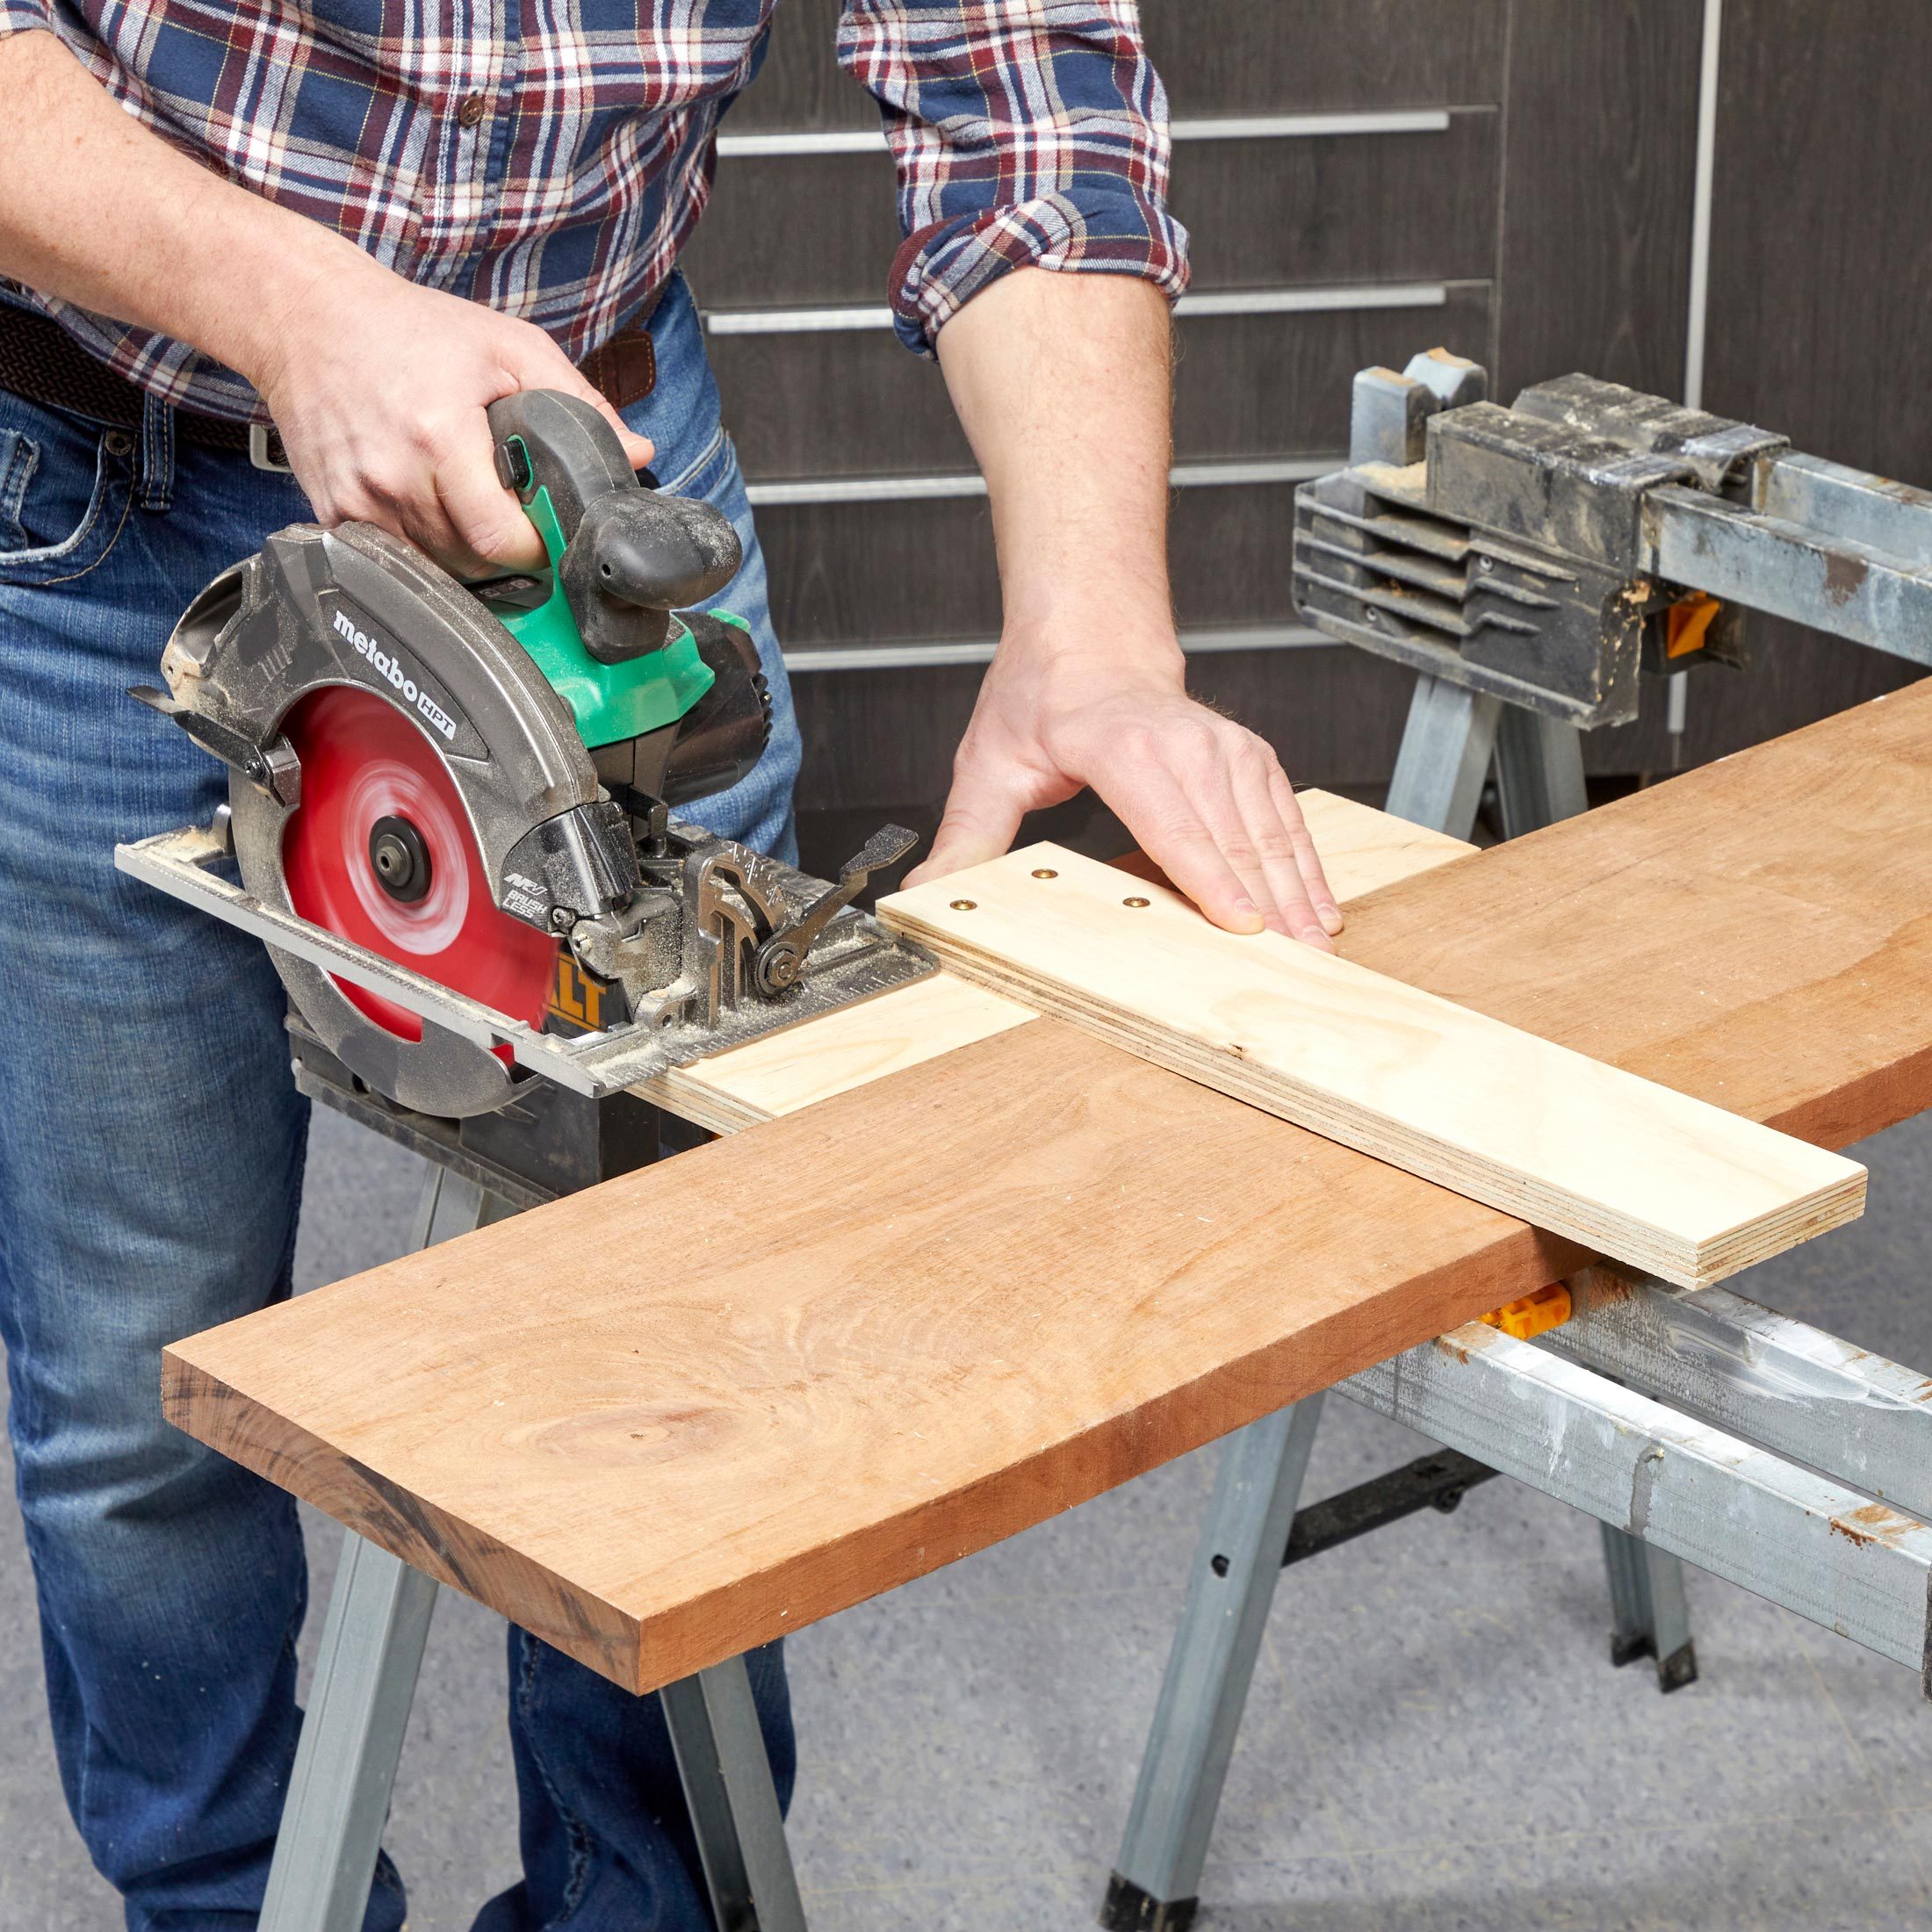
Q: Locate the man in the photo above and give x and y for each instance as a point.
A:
(363, 223)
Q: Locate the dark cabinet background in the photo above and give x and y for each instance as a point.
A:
(1512, 178)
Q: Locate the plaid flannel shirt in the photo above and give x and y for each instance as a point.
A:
(549, 157)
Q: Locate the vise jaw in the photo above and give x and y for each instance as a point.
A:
(1506, 550)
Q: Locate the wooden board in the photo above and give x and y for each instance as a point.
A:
(1361, 849)
(702, 1405)
(697, 1408)
(1665, 1183)
(785, 1071)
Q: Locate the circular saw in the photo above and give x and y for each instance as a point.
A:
(451, 806)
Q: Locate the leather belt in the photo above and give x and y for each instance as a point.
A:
(41, 362)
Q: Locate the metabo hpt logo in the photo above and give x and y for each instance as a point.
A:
(385, 665)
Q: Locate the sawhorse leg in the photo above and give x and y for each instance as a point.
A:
(1648, 1616)
(1539, 780)
(1539, 771)
(1157, 1879)
(1453, 738)
(1444, 762)
(345, 1765)
(358, 1712)
(365, 1681)
(728, 1786)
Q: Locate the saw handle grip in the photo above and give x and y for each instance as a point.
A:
(567, 448)
(630, 557)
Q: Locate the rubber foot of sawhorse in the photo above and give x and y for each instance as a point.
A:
(1677, 1669)
(1129, 1908)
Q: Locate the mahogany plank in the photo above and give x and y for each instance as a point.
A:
(702, 1405)
(689, 1411)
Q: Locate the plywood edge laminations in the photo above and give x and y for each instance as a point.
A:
(1362, 850)
(1655, 1178)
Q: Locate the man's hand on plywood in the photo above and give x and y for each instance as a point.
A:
(1063, 383)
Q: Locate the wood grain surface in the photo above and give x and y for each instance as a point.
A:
(1360, 849)
(698, 1407)
(1667, 1183)
(852, 1048)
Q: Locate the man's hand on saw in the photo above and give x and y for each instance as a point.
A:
(1062, 382)
(379, 390)
(1207, 800)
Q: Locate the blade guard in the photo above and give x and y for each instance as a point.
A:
(357, 608)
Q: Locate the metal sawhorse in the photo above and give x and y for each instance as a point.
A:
(1453, 739)
(1559, 524)
(365, 1681)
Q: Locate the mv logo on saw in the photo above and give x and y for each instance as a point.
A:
(386, 666)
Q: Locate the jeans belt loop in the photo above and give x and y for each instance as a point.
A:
(155, 490)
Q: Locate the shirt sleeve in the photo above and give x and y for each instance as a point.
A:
(17, 16)
(1027, 133)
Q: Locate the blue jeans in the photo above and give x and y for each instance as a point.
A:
(151, 1149)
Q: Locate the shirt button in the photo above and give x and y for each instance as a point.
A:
(471, 111)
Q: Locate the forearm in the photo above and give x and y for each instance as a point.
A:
(378, 387)
(1063, 383)
(97, 210)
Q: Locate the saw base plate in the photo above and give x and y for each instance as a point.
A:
(864, 962)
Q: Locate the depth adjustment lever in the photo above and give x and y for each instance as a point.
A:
(779, 962)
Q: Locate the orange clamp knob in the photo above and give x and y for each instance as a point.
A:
(1533, 1315)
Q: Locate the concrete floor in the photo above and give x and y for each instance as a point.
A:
(1435, 1741)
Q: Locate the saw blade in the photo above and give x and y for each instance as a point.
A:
(375, 792)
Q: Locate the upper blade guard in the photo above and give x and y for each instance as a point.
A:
(339, 642)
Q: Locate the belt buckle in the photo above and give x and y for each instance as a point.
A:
(265, 450)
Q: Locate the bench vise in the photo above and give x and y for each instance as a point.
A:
(1546, 552)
